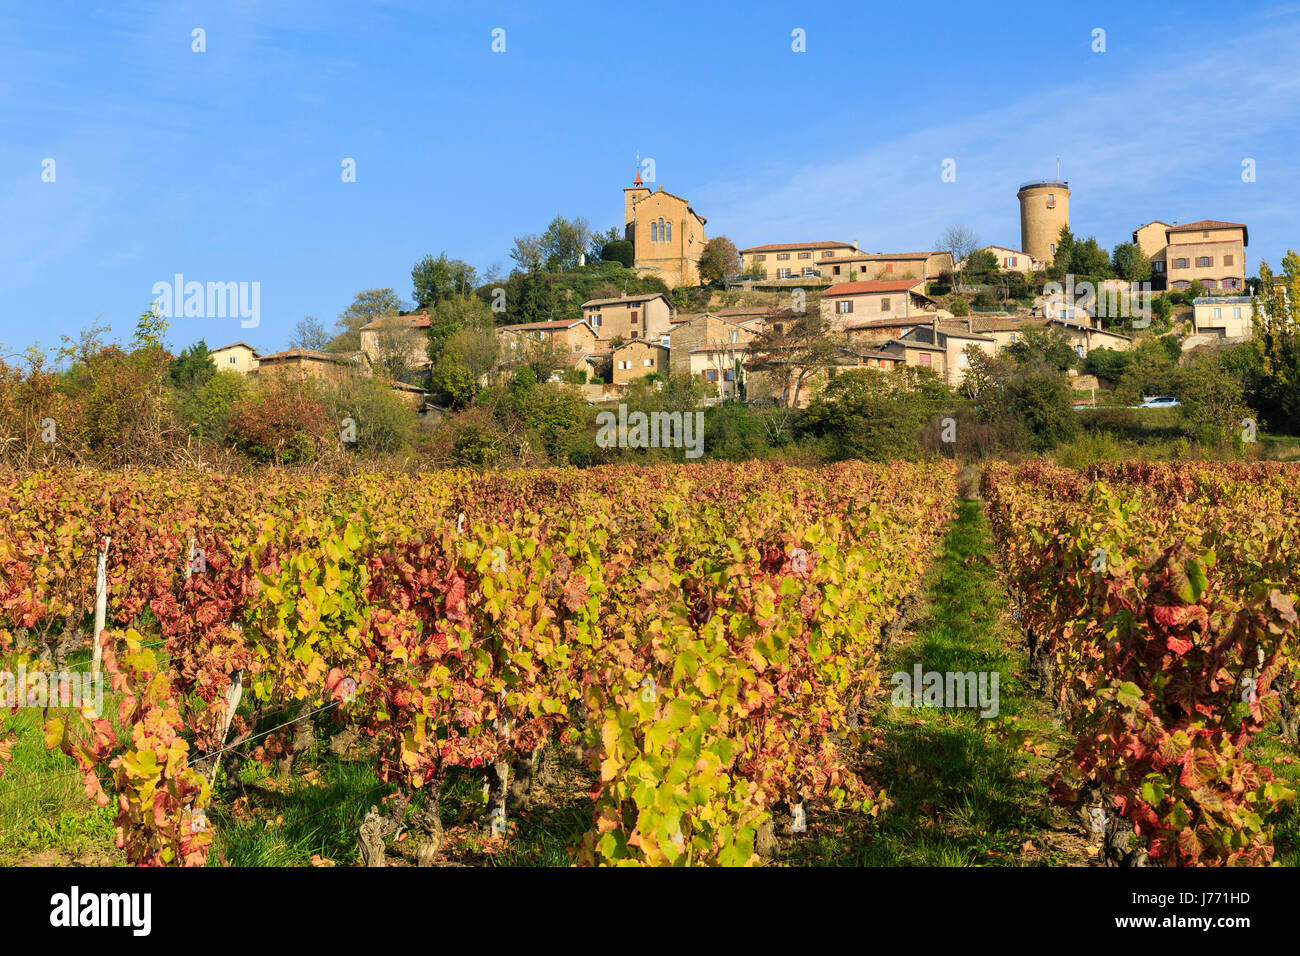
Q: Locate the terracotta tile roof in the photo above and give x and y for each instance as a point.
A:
(898, 255)
(539, 326)
(792, 246)
(309, 354)
(417, 321)
(628, 299)
(872, 287)
(1203, 224)
(222, 348)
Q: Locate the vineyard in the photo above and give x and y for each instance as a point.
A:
(1158, 606)
(709, 644)
(704, 637)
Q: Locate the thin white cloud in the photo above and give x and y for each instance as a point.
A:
(1165, 140)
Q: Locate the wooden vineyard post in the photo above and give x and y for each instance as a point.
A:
(101, 609)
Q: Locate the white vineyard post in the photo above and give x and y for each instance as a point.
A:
(101, 609)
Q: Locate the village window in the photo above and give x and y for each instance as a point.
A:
(884, 305)
(648, 363)
(1236, 312)
(635, 334)
(1051, 200)
(844, 307)
(1218, 313)
(889, 268)
(805, 255)
(1204, 262)
(760, 258)
(829, 254)
(1205, 234)
(232, 360)
(1009, 261)
(1227, 260)
(1158, 266)
(783, 256)
(668, 235)
(783, 273)
(654, 231)
(835, 270)
(664, 340)
(1180, 263)
(1052, 248)
(634, 314)
(1013, 336)
(735, 335)
(711, 374)
(925, 359)
(595, 320)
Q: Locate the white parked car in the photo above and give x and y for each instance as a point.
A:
(1159, 401)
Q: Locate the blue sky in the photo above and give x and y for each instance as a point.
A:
(225, 165)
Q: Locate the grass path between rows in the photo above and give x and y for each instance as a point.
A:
(965, 790)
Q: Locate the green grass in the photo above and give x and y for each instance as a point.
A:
(964, 793)
(45, 815)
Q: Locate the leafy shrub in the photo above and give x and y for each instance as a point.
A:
(282, 421)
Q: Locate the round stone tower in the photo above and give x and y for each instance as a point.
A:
(1044, 210)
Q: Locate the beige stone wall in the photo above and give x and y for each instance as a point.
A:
(1044, 210)
(868, 307)
(1012, 260)
(637, 360)
(394, 337)
(1090, 339)
(306, 366)
(576, 338)
(648, 318)
(1151, 238)
(703, 331)
(1185, 258)
(236, 358)
(796, 260)
(955, 360)
(917, 355)
(1236, 319)
(716, 365)
(675, 259)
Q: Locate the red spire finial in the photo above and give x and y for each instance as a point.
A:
(637, 180)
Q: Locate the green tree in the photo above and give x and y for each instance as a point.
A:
(192, 368)
(719, 261)
(1051, 345)
(366, 306)
(563, 242)
(1064, 258)
(309, 334)
(1090, 259)
(619, 250)
(441, 278)
(599, 242)
(981, 261)
(1210, 400)
(464, 363)
(450, 316)
(1130, 263)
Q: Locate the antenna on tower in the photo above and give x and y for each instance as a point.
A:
(1058, 168)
